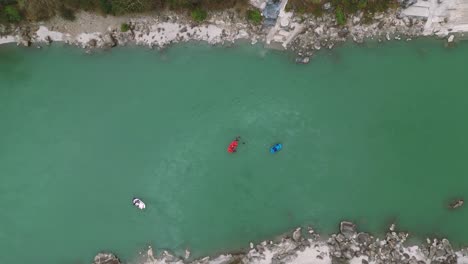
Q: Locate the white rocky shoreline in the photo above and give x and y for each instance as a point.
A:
(303, 34)
(346, 247)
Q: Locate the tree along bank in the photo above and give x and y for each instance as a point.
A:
(15, 11)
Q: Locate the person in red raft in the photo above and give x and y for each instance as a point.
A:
(233, 146)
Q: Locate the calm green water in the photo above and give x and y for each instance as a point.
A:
(373, 135)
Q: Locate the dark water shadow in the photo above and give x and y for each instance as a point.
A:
(12, 66)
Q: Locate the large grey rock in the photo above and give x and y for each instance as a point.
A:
(343, 33)
(340, 238)
(356, 20)
(106, 258)
(24, 42)
(2, 30)
(92, 43)
(364, 238)
(337, 254)
(48, 40)
(447, 246)
(25, 37)
(109, 41)
(460, 202)
(407, 3)
(297, 235)
(440, 252)
(347, 254)
(348, 229)
(302, 60)
(407, 21)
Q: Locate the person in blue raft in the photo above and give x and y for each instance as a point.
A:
(276, 147)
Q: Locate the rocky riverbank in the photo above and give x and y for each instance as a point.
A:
(300, 33)
(152, 30)
(305, 246)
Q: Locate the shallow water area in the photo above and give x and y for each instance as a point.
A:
(370, 134)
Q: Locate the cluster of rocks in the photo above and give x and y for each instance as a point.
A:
(407, 3)
(106, 258)
(24, 33)
(165, 29)
(223, 27)
(347, 246)
(324, 32)
(458, 202)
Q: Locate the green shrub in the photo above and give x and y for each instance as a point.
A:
(362, 4)
(317, 11)
(314, 7)
(340, 16)
(131, 6)
(86, 5)
(67, 13)
(301, 10)
(177, 4)
(199, 14)
(105, 6)
(37, 10)
(12, 14)
(124, 27)
(254, 16)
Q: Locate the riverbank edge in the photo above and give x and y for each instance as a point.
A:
(302, 34)
(306, 246)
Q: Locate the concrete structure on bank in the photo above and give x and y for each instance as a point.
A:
(443, 16)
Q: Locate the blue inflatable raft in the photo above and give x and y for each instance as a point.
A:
(275, 148)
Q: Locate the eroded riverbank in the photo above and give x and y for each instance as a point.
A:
(300, 33)
(305, 246)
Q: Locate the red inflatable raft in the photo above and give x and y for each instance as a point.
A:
(233, 146)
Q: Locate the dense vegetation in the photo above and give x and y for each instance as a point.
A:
(198, 14)
(254, 16)
(13, 11)
(342, 8)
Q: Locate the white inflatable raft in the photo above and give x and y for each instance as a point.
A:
(138, 203)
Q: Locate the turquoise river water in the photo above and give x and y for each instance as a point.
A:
(372, 134)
